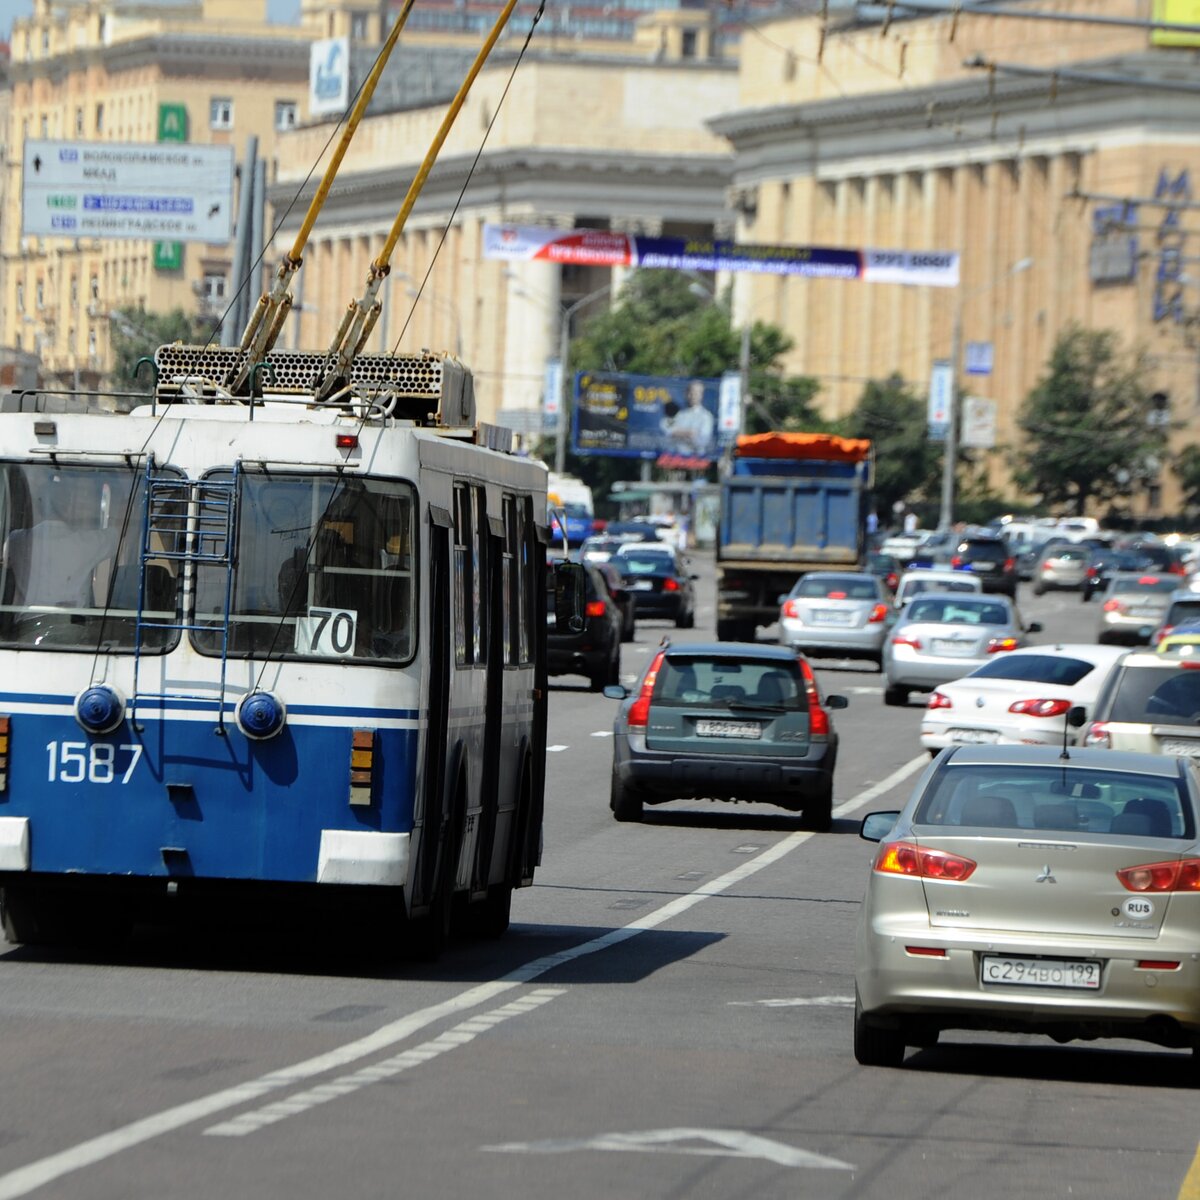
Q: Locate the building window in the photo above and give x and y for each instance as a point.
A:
(79, 122)
(220, 113)
(358, 25)
(74, 291)
(95, 287)
(40, 294)
(45, 126)
(45, 41)
(213, 289)
(285, 114)
(99, 118)
(688, 48)
(20, 297)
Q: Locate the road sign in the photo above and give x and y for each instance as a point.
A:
(979, 358)
(135, 190)
(941, 385)
(978, 423)
(168, 256)
(172, 123)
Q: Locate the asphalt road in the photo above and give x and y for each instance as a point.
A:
(670, 1016)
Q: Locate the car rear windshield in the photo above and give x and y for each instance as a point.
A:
(1065, 799)
(985, 550)
(1181, 611)
(914, 587)
(957, 612)
(837, 587)
(1074, 554)
(1145, 583)
(1036, 668)
(696, 681)
(1168, 694)
(645, 562)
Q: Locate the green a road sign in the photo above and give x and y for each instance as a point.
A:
(172, 123)
(168, 256)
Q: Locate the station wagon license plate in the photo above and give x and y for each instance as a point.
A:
(751, 730)
(1186, 746)
(1041, 972)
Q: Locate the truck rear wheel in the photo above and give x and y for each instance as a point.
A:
(736, 631)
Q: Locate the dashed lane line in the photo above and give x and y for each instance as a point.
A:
(26, 1179)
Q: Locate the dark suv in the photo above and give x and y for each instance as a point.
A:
(732, 721)
(990, 559)
(595, 651)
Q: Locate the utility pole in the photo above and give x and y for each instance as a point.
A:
(950, 452)
(744, 380)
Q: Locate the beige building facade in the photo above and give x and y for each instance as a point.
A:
(582, 140)
(209, 72)
(1071, 196)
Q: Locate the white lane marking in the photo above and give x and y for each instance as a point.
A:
(460, 1035)
(719, 1143)
(555, 749)
(863, 690)
(796, 1002)
(45, 1170)
(603, 733)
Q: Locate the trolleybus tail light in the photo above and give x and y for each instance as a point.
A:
(362, 766)
(639, 710)
(347, 441)
(3, 754)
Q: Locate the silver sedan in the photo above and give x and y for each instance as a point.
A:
(836, 612)
(941, 637)
(1019, 892)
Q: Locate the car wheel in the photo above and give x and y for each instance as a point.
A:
(685, 621)
(817, 814)
(875, 1047)
(628, 630)
(895, 697)
(1085, 596)
(1038, 590)
(625, 803)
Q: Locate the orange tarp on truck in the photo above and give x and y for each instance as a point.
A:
(824, 446)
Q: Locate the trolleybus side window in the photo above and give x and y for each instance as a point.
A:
(529, 590)
(510, 582)
(72, 567)
(323, 568)
(470, 579)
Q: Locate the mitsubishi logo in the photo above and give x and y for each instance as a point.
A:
(1045, 876)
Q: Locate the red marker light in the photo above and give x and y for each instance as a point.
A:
(878, 613)
(347, 441)
(939, 700)
(1147, 580)
(835, 595)
(1040, 708)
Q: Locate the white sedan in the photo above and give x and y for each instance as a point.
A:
(1020, 698)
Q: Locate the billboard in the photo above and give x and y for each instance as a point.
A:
(978, 423)
(647, 416)
(604, 248)
(329, 77)
(1177, 12)
(164, 191)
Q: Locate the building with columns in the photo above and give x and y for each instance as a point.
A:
(582, 140)
(1069, 192)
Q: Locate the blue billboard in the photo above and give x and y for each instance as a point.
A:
(647, 416)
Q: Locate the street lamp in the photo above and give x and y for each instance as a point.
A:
(564, 342)
(950, 457)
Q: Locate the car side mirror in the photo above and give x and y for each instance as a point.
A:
(568, 597)
(615, 691)
(1076, 716)
(877, 825)
(693, 576)
(836, 701)
(1034, 627)
(782, 598)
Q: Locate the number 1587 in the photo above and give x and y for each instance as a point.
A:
(73, 762)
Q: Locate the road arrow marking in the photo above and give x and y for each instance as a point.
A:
(718, 1143)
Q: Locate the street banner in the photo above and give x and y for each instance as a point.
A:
(978, 423)
(729, 404)
(941, 385)
(648, 416)
(979, 358)
(604, 248)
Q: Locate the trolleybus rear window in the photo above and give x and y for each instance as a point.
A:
(71, 540)
(323, 568)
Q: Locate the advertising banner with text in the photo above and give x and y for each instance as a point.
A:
(603, 248)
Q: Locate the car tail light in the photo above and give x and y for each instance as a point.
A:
(1178, 875)
(926, 951)
(1190, 664)
(791, 608)
(1091, 572)
(1162, 633)
(818, 718)
(906, 858)
(1158, 964)
(1113, 606)
(1098, 736)
(939, 700)
(594, 608)
(639, 710)
(892, 580)
(878, 613)
(1147, 580)
(995, 645)
(956, 561)
(915, 643)
(1040, 708)
(1009, 563)
(670, 585)
(835, 595)
(1046, 568)
(1176, 569)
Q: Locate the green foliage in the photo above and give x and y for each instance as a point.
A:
(1186, 469)
(663, 324)
(908, 465)
(1088, 439)
(137, 334)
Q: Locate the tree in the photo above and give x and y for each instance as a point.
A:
(138, 334)
(663, 324)
(1186, 469)
(907, 464)
(1088, 437)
